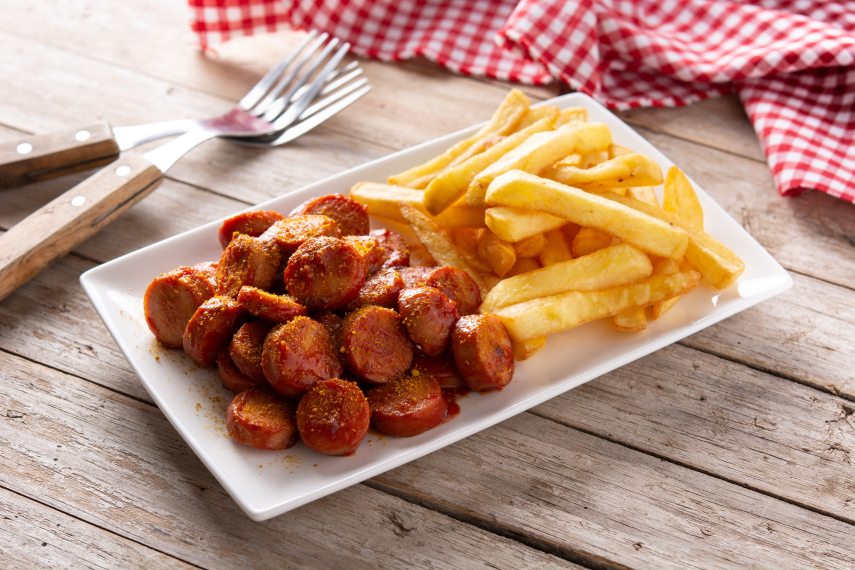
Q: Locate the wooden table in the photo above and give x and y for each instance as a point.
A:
(732, 448)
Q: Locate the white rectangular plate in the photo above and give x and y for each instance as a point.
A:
(266, 484)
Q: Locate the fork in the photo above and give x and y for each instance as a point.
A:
(46, 156)
(264, 116)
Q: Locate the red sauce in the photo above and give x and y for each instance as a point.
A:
(451, 395)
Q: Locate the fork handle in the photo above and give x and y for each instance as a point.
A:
(54, 229)
(40, 157)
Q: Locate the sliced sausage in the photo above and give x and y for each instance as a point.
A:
(376, 346)
(459, 287)
(380, 289)
(210, 328)
(249, 261)
(333, 417)
(370, 249)
(258, 418)
(209, 270)
(415, 276)
(325, 273)
(429, 316)
(249, 223)
(245, 349)
(350, 215)
(441, 368)
(334, 325)
(171, 299)
(232, 378)
(289, 233)
(395, 251)
(269, 306)
(482, 351)
(408, 406)
(297, 354)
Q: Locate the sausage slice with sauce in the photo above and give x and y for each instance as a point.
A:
(407, 406)
(258, 418)
(482, 351)
(170, 301)
(333, 417)
(297, 354)
(376, 346)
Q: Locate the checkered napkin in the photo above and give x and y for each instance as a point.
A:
(791, 62)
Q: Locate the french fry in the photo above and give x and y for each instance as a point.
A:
(619, 172)
(525, 349)
(719, 266)
(548, 315)
(609, 267)
(466, 240)
(663, 266)
(504, 120)
(679, 198)
(631, 320)
(438, 245)
(382, 200)
(644, 194)
(574, 159)
(497, 254)
(450, 184)
(647, 232)
(540, 151)
(618, 150)
(572, 115)
(589, 240)
(555, 249)
(523, 265)
(535, 114)
(530, 246)
(517, 224)
(594, 158)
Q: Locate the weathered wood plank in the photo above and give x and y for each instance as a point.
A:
(605, 501)
(805, 334)
(117, 463)
(36, 536)
(745, 426)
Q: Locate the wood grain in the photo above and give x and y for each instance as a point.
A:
(117, 463)
(56, 154)
(57, 227)
(37, 536)
(741, 425)
(604, 501)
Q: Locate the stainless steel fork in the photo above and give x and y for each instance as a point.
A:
(265, 115)
(46, 156)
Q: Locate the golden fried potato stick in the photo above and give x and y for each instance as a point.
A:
(555, 249)
(572, 115)
(663, 266)
(382, 200)
(525, 349)
(540, 151)
(504, 120)
(609, 267)
(647, 232)
(589, 240)
(439, 246)
(530, 246)
(719, 266)
(644, 194)
(679, 198)
(548, 315)
(498, 254)
(450, 185)
(523, 265)
(619, 172)
(631, 320)
(535, 114)
(517, 224)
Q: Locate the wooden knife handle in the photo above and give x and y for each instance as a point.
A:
(40, 157)
(53, 230)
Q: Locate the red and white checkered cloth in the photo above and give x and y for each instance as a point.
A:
(792, 62)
